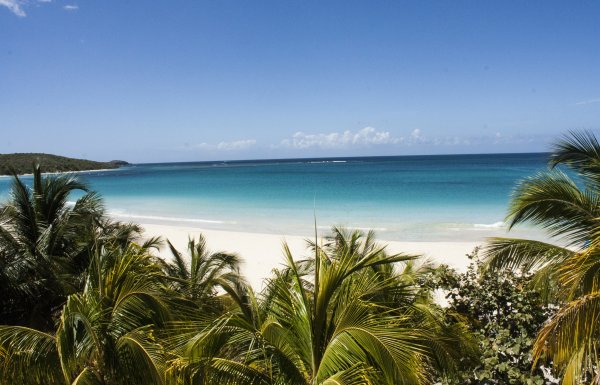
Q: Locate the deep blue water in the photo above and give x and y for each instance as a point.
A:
(457, 197)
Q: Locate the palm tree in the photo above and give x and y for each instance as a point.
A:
(41, 246)
(105, 334)
(46, 243)
(329, 320)
(200, 279)
(569, 268)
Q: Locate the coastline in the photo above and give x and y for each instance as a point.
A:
(65, 172)
(262, 253)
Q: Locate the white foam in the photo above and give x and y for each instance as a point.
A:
(496, 225)
(328, 161)
(356, 228)
(169, 219)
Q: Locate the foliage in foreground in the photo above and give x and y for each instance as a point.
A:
(118, 315)
(105, 333)
(504, 315)
(42, 255)
(87, 305)
(46, 244)
(348, 315)
(569, 269)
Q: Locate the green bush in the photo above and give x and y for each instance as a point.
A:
(504, 314)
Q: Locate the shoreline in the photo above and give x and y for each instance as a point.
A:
(300, 224)
(64, 172)
(261, 252)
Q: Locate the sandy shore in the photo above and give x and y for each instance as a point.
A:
(263, 252)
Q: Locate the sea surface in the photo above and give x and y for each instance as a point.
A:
(406, 198)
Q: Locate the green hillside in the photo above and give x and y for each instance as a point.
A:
(22, 163)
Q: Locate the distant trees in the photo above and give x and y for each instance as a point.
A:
(21, 163)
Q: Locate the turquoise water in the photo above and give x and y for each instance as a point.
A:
(450, 197)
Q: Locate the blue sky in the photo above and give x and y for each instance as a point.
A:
(150, 81)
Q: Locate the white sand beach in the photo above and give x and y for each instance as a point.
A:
(263, 252)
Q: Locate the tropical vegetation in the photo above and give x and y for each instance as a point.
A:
(565, 202)
(503, 313)
(87, 300)
(350, 315)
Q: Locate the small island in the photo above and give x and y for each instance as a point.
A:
(21, 163)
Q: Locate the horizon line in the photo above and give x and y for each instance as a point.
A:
(344, 157)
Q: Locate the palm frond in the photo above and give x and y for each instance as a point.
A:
(394, 347)
(28, 356)
(180, 268)
(580, 274)
(522, 254)
(554, 202)
(358, 374)
(580, 151)
(571, 337)
(87, 377)
(77, 337)
(142, 357)
(50, 194)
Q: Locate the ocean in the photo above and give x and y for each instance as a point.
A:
(404, 198)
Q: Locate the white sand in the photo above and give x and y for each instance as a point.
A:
(263, 252)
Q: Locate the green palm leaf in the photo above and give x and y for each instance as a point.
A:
(345, 328)
(522, 254)
(571, 338)
(580, 151)
(201, 274)
(87, 377)
(358, 374)
(28, 356)
(554, 202)
(141, 357)
(570, 211)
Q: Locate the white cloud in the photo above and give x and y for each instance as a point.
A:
(71, 7)
(370, 137)
(227, 146)
(484, 141)
(589, 101)
(236, 145)
(14, 6)
(416, 136)
(365, 137)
